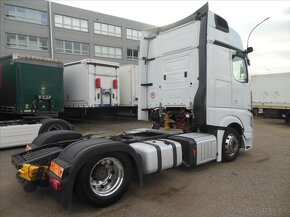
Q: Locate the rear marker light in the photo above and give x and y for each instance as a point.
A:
(98, 83)
(115, 84)
(56, 184)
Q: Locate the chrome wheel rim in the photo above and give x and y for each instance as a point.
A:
(106, 176)
(231, 144)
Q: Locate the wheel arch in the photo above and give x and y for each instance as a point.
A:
(232, 121)
(237, 127)
(76, 155)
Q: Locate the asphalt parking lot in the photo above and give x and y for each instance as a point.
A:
(256, 184)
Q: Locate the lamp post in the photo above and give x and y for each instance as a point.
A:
(255, 28)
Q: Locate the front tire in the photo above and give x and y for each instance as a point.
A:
(231, 145)
(105, 179)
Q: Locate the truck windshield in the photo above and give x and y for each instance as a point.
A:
(240, 69)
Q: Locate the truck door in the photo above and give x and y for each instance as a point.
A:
(241, 93)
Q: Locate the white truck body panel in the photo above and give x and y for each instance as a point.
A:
(129, 85)
(80, 88)
(17, 135)
(271, 91)
(175, 53)
(190, 64)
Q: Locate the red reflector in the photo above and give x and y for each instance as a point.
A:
(115, 84)
(98, 83)
(56, 184)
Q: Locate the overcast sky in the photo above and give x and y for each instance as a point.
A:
(271, 40)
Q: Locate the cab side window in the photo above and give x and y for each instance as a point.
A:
(240, 69)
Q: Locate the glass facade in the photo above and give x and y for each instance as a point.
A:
(70, 23)
(26, 15)
(27, 42)
(71, 47)
(106, 29)
(110, 52)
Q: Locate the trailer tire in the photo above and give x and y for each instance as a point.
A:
(54, 136)
(287, 117)
(54, 124)
(104, 179)
(231, 145)
(255, 112)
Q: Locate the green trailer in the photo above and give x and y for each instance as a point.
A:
(31, 95)
(30, 85)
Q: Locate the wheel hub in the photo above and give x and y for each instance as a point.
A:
(231, 144)
(106, 176)
(101, 173)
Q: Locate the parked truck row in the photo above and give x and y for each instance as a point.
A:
(35, 90)
(194, 85)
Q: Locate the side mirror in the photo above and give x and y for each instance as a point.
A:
(248, 50)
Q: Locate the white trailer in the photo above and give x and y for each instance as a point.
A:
(193, 72)
(23, 131)
(270, 93)
(91, 83)
(129, 86)
(18, 135)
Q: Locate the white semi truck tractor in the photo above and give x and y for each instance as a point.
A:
(194, 83)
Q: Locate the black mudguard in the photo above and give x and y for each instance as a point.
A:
(74, 157)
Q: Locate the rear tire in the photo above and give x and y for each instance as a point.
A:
(231, 145)
(105, 179)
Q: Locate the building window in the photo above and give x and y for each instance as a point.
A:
(133, 34)
(132, 54)
(27, 42)
(70, 23)
(110, 52)
(106, 29)
(26, 15)
(70, 47)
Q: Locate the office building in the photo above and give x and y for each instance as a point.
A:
(45, 29)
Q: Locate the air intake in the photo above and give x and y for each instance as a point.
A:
(221, 24)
